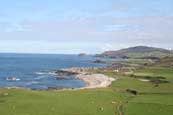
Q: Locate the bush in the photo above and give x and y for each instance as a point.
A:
(134, 92)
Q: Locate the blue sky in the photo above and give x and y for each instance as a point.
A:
(91, 26)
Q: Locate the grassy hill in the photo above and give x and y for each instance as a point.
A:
(137, 52)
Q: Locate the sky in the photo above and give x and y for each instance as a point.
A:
(90, 26)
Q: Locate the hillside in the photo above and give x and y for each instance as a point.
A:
(137, 52)
(165, 62)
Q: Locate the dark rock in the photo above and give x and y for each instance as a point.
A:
(158, 81)
(134, 92)
(65, 73)
(62, 78)
(124, 57)
(99, 61)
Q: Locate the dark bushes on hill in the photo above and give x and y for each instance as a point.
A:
(131, 91)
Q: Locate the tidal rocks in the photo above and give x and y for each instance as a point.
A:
(63, 78)
(65, 73)
(99, 61)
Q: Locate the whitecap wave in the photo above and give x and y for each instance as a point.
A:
(12, 79)
(41, 73)
(45, 73)
(17, 79)
(39, 77)
(52, 73)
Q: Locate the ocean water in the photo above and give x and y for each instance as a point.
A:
(32, 70)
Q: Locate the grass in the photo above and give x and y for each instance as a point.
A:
(150, 104)
(113, 100)
(148, 109)
(84, 102)
(152, 100)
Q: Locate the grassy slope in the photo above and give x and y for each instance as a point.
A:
(85, 102)
(151, 100)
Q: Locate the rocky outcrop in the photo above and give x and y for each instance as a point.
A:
(65, 73)
(99, 61)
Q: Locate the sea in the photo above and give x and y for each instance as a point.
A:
(33, 71)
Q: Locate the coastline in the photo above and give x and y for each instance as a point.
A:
(91, 79)
(95, 80)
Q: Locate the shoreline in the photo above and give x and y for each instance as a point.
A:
(93, 80)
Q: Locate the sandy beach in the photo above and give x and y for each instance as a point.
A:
(95, 80)
(92, 80)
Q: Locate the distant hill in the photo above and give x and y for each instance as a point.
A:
(137, 52)
(82, 54)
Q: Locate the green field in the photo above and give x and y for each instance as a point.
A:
(84, 102)
(113, 100)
